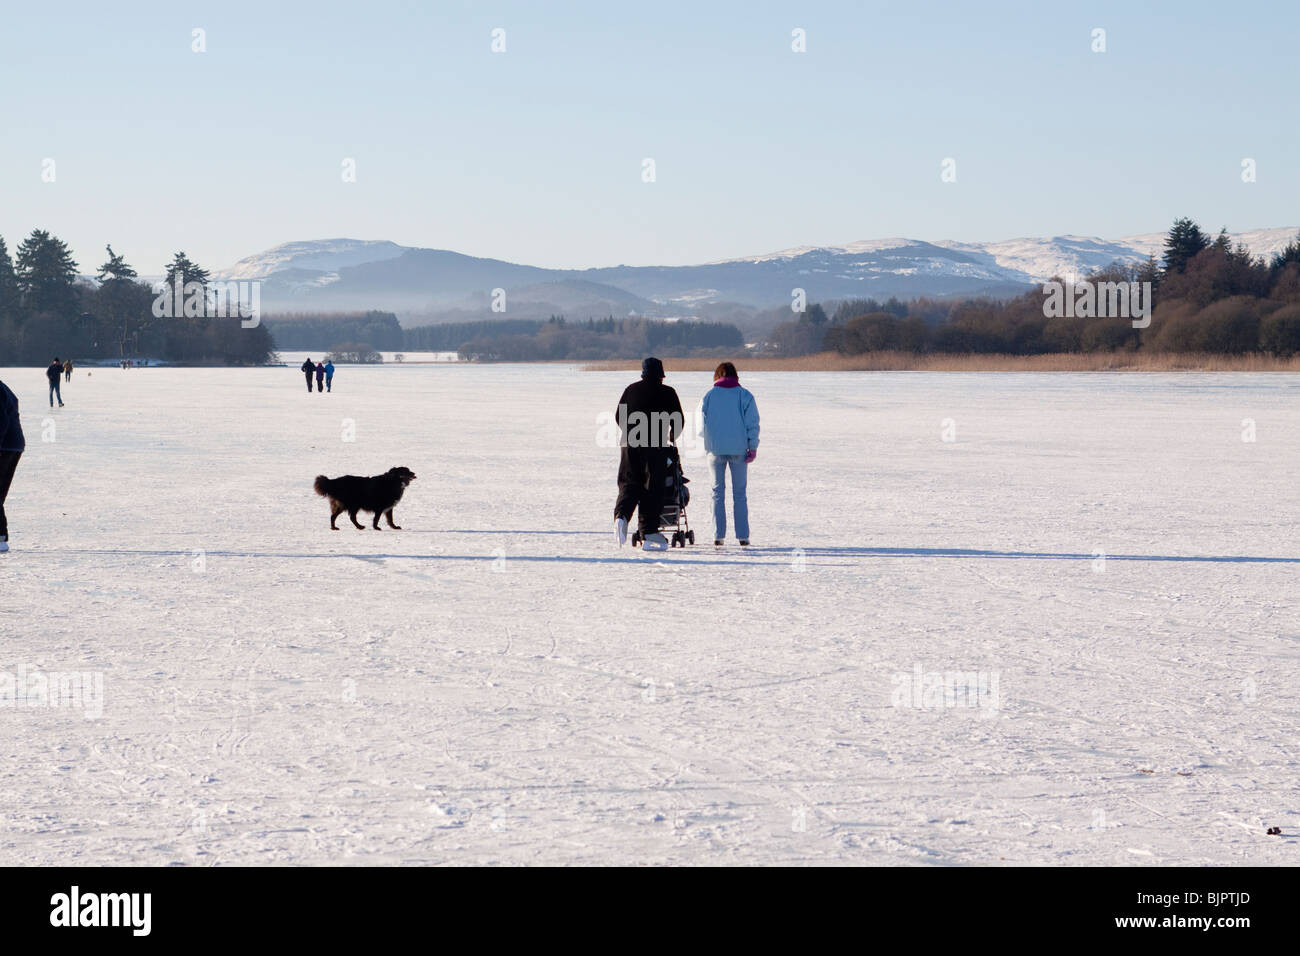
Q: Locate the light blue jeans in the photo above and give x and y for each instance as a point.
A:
(739, 504)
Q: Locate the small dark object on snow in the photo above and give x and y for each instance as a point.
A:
(676, 497)
(1274, 831)
(379, 495)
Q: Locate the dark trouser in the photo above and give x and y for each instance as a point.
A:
(320, 383)
(308, 374)
(54, 392)
(642, 478)
(67, 376)
(329, 382)
(8, 462)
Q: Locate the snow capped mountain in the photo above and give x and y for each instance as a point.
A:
(862, 246)
(334, 274)
(1039, 259)
(1026, 260)
(316, 255)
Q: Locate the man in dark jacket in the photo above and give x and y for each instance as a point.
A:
(55, 374)
(309, 369)
(12, 445)
(650, 418)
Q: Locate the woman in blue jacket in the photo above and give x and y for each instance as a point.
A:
(729, 423)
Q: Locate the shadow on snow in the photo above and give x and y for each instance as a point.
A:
(695, 554)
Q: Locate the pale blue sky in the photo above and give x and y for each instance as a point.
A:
(535, 155)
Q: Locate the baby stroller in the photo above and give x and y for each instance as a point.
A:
(676, 498)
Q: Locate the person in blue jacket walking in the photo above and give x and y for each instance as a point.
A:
(329, 375)
(729, 424)
(12, 445)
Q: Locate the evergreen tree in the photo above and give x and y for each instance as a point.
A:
(46, 275)
(1280, 260)
(187, 270)
(186, 333)
(1149, 271)
(1184, 241)
(115, 269)
(852, 308)
(8, 286)
(124, 305)
(815, 315)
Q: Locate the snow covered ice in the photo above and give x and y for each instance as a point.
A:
(1103, 562)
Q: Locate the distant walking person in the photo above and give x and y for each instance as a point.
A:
(55, 374)
(729, 422)
(67, 370)
(320, 378)
(649, 415)
(12, 445)
(329, 375)
(308, 369)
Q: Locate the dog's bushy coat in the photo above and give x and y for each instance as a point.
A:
(379, 495)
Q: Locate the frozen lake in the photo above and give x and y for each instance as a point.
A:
(1106, 562)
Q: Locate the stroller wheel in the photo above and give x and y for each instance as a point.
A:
(690, 536)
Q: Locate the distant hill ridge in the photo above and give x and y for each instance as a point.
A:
(349, 274)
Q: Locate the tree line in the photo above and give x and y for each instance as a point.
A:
(1206, 296)
(450, 336)
(47, 309)
(379, 330)
(507, 340)
(558, 339)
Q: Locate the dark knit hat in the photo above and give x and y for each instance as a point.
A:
(652, 368)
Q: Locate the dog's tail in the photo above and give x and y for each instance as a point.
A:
(322, 486)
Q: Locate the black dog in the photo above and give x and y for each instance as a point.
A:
(379, 494)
